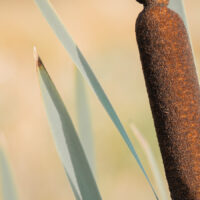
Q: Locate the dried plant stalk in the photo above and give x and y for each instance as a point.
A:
(174, 95)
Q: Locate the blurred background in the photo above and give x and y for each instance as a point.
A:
(105, 32)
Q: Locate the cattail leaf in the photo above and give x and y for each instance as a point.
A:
(77, 57)
(164, 193)
(178, 6)
(84, 120)
(8, 187)
(66, 140)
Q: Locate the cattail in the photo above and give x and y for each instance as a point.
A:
(174, 95)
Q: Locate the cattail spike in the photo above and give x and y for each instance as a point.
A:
(174, 95)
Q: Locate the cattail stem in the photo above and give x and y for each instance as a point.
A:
(174, 95)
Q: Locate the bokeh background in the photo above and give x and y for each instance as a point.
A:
(105, 32)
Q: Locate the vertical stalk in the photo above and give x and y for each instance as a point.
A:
(174, 95)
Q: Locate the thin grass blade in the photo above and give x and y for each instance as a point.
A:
(52, 18)
(6, 179)
(84, 119)
(164, 194)
(66, 139)
(178, 6)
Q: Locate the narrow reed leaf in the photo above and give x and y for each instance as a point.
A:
(6, 179)
(84, 120)
(66, 139)
(52, 18)
(178, 6)
(152, 162)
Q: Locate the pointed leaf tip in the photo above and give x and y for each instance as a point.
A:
(67, 141)
(37, 58)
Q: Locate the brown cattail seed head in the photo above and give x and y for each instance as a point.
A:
(174, 95)
(154, 2)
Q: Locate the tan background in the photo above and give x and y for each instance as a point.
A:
(104, 31)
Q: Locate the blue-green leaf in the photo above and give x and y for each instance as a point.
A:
(164, 193)
(8, 187)
(52, 18)
(84, 120)
(66, 140)
(178, 6)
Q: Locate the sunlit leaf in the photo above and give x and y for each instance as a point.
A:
(6, 179)
(164, 193)
(84, 119)
(178, 6)
(66, 140)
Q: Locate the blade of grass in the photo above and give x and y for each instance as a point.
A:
(178, 6)
(152, 162)
(84, 120)
(8, 187)
(52, 18)
(66, 139)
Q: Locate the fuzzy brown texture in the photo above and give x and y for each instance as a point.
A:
(174, 95)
